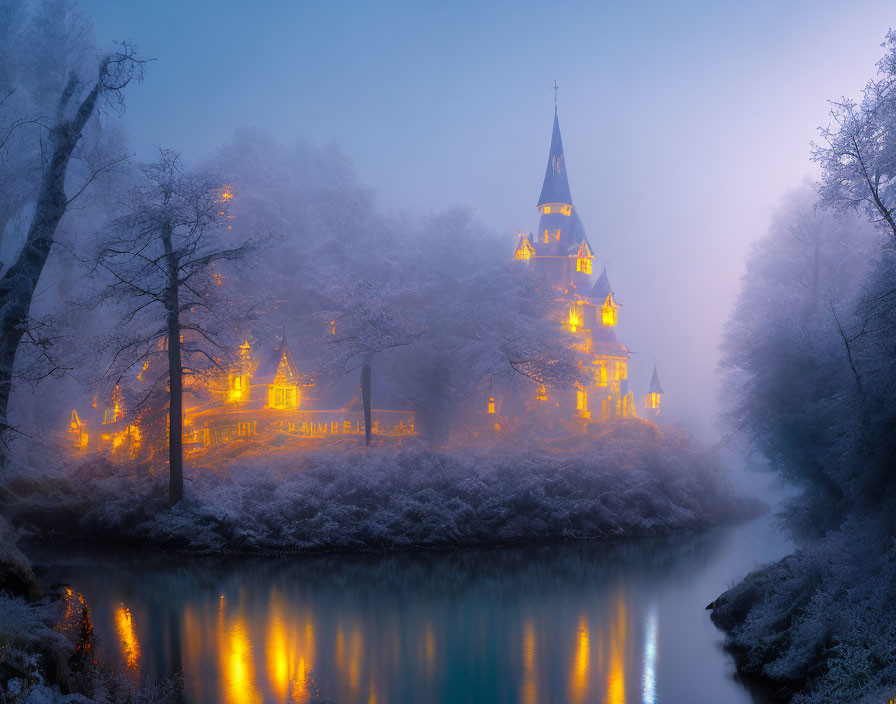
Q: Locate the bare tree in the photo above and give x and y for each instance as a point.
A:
(18, 283)
(161, 255)
(365, 322)
(858, 154)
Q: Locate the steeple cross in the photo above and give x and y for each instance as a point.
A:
(556, 88)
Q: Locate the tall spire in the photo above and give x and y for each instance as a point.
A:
(556, 185)
(655, 387)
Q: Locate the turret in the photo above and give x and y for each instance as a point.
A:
(604, 298)
(559, 248)
(654, 392)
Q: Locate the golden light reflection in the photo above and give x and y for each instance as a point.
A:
(578, 688)
(616, 669)
(236, 659)
(127, 636)
(529, 693)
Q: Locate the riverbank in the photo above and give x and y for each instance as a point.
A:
(47, 645)
(636, 481)
(820, 624)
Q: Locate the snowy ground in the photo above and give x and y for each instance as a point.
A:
(821, 622)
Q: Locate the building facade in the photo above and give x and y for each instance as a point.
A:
(585, 302)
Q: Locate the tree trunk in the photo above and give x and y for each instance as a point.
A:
(365, 396)
(175, 377)
(19, 281)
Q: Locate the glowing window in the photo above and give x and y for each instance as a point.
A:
(601, 374)
(621, 371)
(653, 400)
(541, 393)
(284, 397)
(608, 315)
(583, 264)
(491, 405)
(582, 402)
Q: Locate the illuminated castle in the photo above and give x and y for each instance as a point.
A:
(258, 396)
(561, 252)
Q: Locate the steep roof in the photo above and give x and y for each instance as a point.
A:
(602, 288)
(270, 364)
(604, 343)
(655, 387)
(556, 186)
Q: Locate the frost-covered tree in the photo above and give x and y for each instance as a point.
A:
(858, 149)
(787, 377)
(487, 321)
(159, 257)
(68, 85)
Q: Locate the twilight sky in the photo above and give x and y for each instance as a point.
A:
(682, 122)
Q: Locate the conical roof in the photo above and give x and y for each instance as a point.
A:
(655, 387)
(556, 185)
(602, 287)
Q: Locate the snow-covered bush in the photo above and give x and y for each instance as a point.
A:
(633, 480)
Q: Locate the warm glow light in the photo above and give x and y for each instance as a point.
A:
(653, 400)
(237, 663)
(524, 249)
(582, 403)
(616, 670)
(621, 370)
(578, 688)
(583, 264)
(609, 315)
(227, 194)
(575, 317)
(529, 693)
(491, 405)
(541, 393)
(127, 636)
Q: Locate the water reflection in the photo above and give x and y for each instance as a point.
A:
(565, 623)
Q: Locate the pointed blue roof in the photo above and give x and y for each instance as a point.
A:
(556, 185)
(602, 288)
(655, 387)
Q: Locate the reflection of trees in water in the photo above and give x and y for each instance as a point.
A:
(168, 578)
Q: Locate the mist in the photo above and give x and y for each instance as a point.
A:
(682, 127)
(306, 279)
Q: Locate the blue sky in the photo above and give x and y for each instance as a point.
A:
(683, 122)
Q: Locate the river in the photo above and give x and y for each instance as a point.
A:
(583, 622)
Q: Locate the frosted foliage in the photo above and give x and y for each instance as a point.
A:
(636, 482)
(812, 376)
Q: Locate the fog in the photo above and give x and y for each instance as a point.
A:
(295, 278)
(683, 124)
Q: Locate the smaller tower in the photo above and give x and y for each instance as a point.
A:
(654, 392)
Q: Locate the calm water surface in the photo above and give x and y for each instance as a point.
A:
(589, 622)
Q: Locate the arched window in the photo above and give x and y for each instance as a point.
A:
(491, 405)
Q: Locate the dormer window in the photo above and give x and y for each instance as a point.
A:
(609, 315)
(524, 249)
(583, 264)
